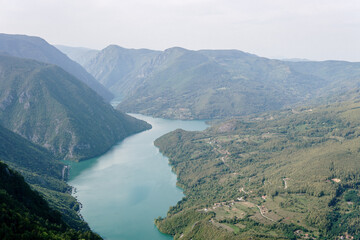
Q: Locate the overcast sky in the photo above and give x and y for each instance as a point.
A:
(313, 29)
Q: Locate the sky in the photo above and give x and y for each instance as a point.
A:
(311, 29)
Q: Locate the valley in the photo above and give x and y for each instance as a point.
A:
(278, 160)
(133, 182)
(47, 115)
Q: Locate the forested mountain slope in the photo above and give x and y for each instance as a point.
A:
(196, 84)
(52, 108)
(292, 174)
(43, 172)
(38, 49)
(24, 214)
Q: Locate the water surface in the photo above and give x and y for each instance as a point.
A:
(124, 190)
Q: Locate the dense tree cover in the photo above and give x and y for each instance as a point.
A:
(304, 162)
(24, 214)
(43, 172)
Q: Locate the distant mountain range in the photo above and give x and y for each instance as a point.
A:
(208, 84)
(38, 49)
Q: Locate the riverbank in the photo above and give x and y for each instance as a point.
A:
(124, 190)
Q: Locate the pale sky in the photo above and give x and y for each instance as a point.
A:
(312, 29)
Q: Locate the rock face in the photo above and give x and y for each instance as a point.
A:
(38, 49)
(52, 108)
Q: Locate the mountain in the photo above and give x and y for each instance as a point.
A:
(26, 215)
(28, 158)
(208, 84)
(216, 84)
(78, 54)
(52, 108)
(340, 76)
(43, 172)
(291, 174)
(38, 49)
(119, 69)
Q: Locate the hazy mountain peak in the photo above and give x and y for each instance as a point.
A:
(113, 47)
(176, 49)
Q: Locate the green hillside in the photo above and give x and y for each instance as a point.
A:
(50, 107)
(24, 214)
(38, 49)
(42, 172)
(212, 84)
(194, 84)
(293, 174)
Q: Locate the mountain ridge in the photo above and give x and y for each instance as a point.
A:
(36, 48)
(205, 84)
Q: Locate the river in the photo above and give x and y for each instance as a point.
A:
(125, 189)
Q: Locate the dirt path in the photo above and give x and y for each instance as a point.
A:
(262, 214)
(285, 182)
(242, 190)
(219, 149)
(194, 225)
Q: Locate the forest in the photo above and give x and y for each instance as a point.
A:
(284, 174)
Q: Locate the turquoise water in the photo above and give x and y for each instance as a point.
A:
(124, 190)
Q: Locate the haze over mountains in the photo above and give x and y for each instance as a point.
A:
(78, 54)
(184, 84)
(298, 167)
